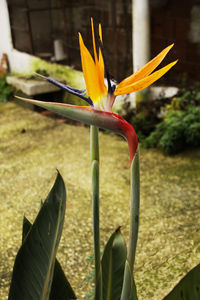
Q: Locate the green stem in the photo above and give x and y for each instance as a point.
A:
(94, 149)
(134, 209)
(94, 143)
(129, 288)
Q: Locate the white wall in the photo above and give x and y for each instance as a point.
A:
(19, 61)
(141, 33)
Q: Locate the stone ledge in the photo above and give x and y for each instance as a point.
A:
(31, 87)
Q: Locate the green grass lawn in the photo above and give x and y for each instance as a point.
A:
(33, 146)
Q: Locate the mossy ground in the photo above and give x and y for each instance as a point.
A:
(33, 146)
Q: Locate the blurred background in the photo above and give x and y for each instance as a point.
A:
(48, 29)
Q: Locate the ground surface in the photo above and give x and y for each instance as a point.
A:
(33, 146)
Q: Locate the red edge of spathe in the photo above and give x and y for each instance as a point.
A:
(130, 135)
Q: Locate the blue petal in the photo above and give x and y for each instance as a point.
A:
(71, 90)
(66, 87)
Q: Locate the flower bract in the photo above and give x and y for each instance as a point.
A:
(101, 96)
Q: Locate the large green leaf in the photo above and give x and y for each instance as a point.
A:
(113, 263)
(129, 288)
(188, 287)
(61, 288)
(34, 263)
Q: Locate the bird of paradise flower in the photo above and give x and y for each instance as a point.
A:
(101, 98)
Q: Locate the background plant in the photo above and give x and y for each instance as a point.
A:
(145, 118)
(6, 92)
(180, 127)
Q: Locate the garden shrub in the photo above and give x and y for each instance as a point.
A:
(5, 90)
(145, 118)
(180, 127)
(143, 125)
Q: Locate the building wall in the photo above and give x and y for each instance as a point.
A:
(172, 21)
(115, 17)
(18, 61)
(178, 22)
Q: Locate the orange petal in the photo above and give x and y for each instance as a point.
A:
(101, 62)
(147, 69)
(93, 41)
(90, 72)
(100, 33)
(143, 83)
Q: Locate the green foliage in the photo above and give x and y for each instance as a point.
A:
(36, 274)
(188, 288)
(129, 288)
(145, 117)
(35, 76)
(42, 72)
(179, 130)
(180, 127)
(5, 90)
(60, 285)
(89, 278)
(113, 264)
(143, 124)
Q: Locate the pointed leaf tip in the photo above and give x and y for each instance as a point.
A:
(118, 228)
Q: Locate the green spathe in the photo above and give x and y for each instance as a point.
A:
(86, 115)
